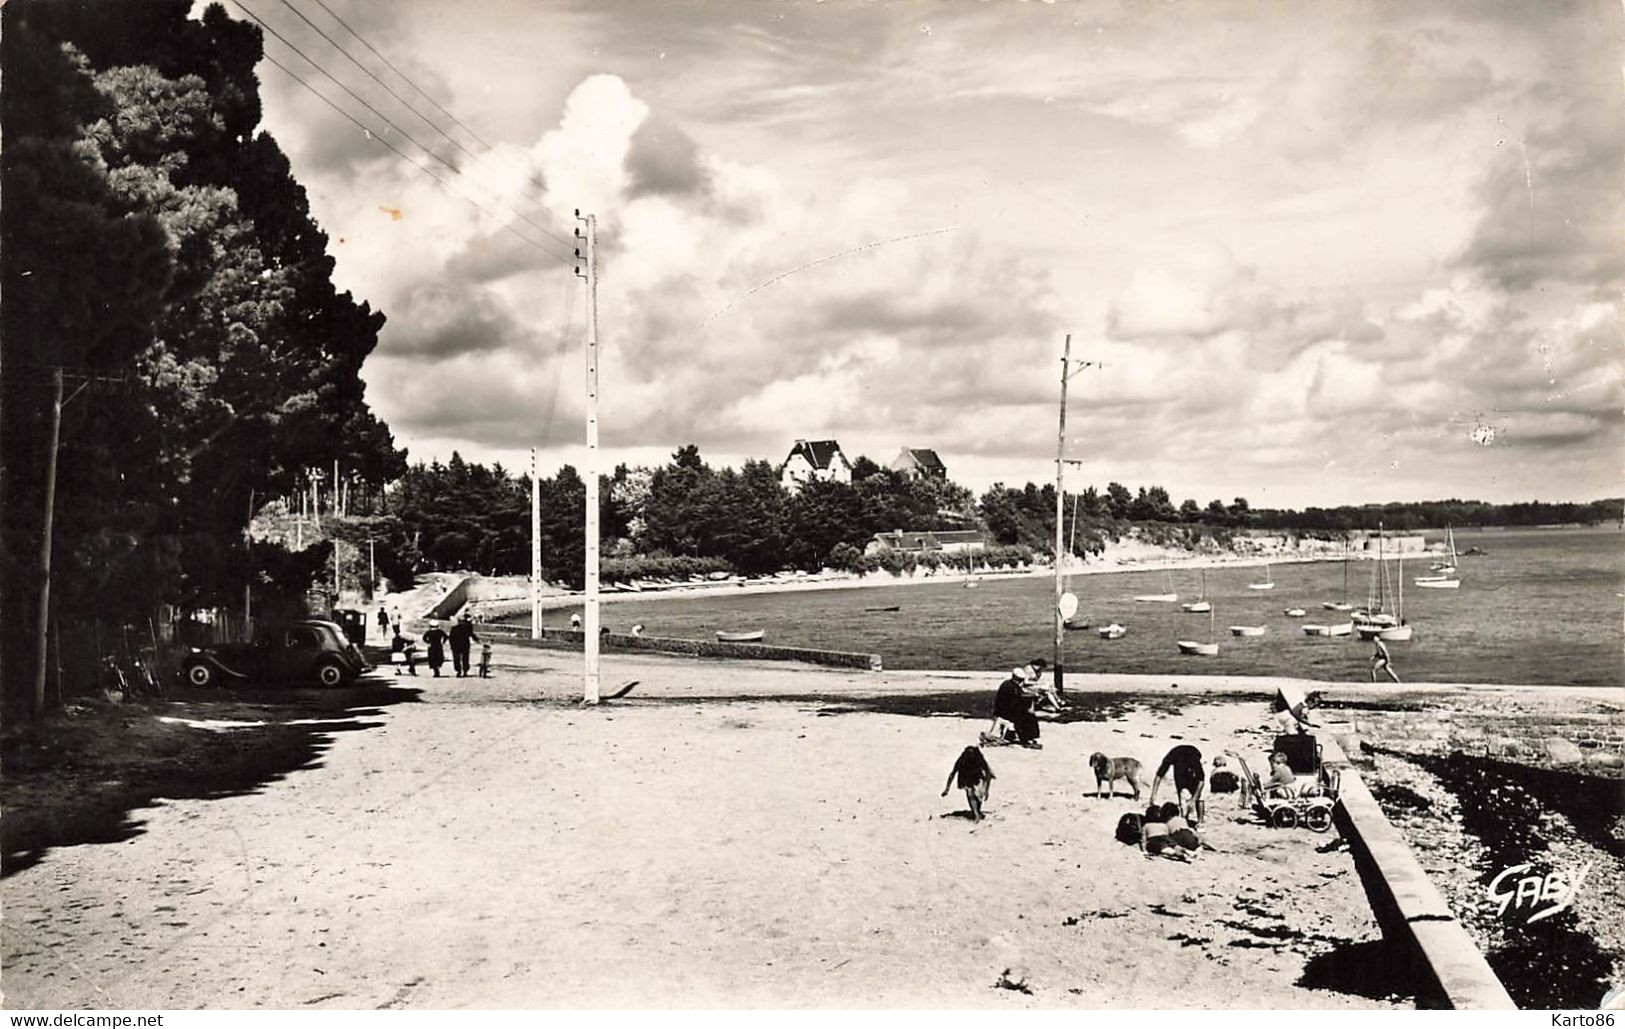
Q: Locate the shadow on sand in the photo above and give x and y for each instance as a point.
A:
(79, 775)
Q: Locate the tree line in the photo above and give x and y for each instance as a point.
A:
(686, 517)
(157, 252)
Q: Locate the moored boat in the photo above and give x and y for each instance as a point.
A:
(1197, 607)
(752, 636)
(1268, 582)
(1316, 630)
(1198, 649)
(1247, 630)
(1295, 612)
(1113, 631)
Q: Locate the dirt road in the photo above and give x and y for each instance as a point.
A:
(727, 836)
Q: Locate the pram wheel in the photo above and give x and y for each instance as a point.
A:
(1283, 817)
(1318, 818)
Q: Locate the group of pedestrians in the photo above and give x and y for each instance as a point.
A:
(460, 640)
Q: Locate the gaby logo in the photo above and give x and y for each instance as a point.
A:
(1542, 896)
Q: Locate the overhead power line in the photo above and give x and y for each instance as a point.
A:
(425, 119)
(420, 167)
(382, 116)
(403, 76)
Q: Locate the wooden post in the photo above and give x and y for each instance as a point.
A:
(1060, 527)
(590, 622)
(43, 633)
(535, 550)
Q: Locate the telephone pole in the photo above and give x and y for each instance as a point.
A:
(1067, 371)
(535, 551)
(43, 635)
(590, 621)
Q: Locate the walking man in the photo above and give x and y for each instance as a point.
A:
(462, 637)
(1380, 661)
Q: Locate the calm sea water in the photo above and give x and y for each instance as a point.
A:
(1541, 606)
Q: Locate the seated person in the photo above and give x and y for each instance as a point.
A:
(1047, 698)
(1281, 778)
(1291, 708)
(1012, 704)
(1223, 780)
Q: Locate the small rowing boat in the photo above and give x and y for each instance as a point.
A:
(1113, 631)
(1198, 649)
(1295, 612)
(754, 636)
(1247, 630)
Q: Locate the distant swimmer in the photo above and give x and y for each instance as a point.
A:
(1381, 661)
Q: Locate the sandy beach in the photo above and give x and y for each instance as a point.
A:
(727, 836)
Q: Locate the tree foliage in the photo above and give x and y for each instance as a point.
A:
(151, 243)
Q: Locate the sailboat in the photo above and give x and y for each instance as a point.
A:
(1444, 577)
(1376, 619)
(1401, 632)
(1159, 598)
(1332, 605)
(1208, 649)
(1375, 616)
(1200, 605)
(970, 572)
(1267, 584)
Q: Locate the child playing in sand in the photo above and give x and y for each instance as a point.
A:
(975, 778)
(485, 659)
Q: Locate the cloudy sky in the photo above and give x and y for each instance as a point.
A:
(1324, 253)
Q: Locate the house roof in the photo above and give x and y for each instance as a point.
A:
(928, 540)
(819, 452)
(927, 459)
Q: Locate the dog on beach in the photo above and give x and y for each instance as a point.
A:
(1110, 769)
(975, 778)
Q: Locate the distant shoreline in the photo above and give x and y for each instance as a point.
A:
(838, 581)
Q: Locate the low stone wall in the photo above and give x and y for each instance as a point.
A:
(1592, 742)
(569, 639)
(1451, 971)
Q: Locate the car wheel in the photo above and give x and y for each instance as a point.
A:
(330, 673)
(200, 675)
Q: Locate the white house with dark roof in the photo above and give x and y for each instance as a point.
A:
(814, 459)
(917, 462)
(946, 541)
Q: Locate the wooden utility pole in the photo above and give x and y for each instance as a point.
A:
(1061, 461)
(1060, 494)
(590, 622)
(535, 550)
(44, 629)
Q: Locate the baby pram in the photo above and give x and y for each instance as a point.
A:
(1308, 803)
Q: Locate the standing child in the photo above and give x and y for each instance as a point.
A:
(485, 659)
(975, 778)
(397, 651)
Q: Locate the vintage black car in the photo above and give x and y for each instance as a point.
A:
(309, 650)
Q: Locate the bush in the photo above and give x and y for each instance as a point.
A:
(844, 557)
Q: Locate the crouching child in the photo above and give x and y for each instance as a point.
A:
(975, 778)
